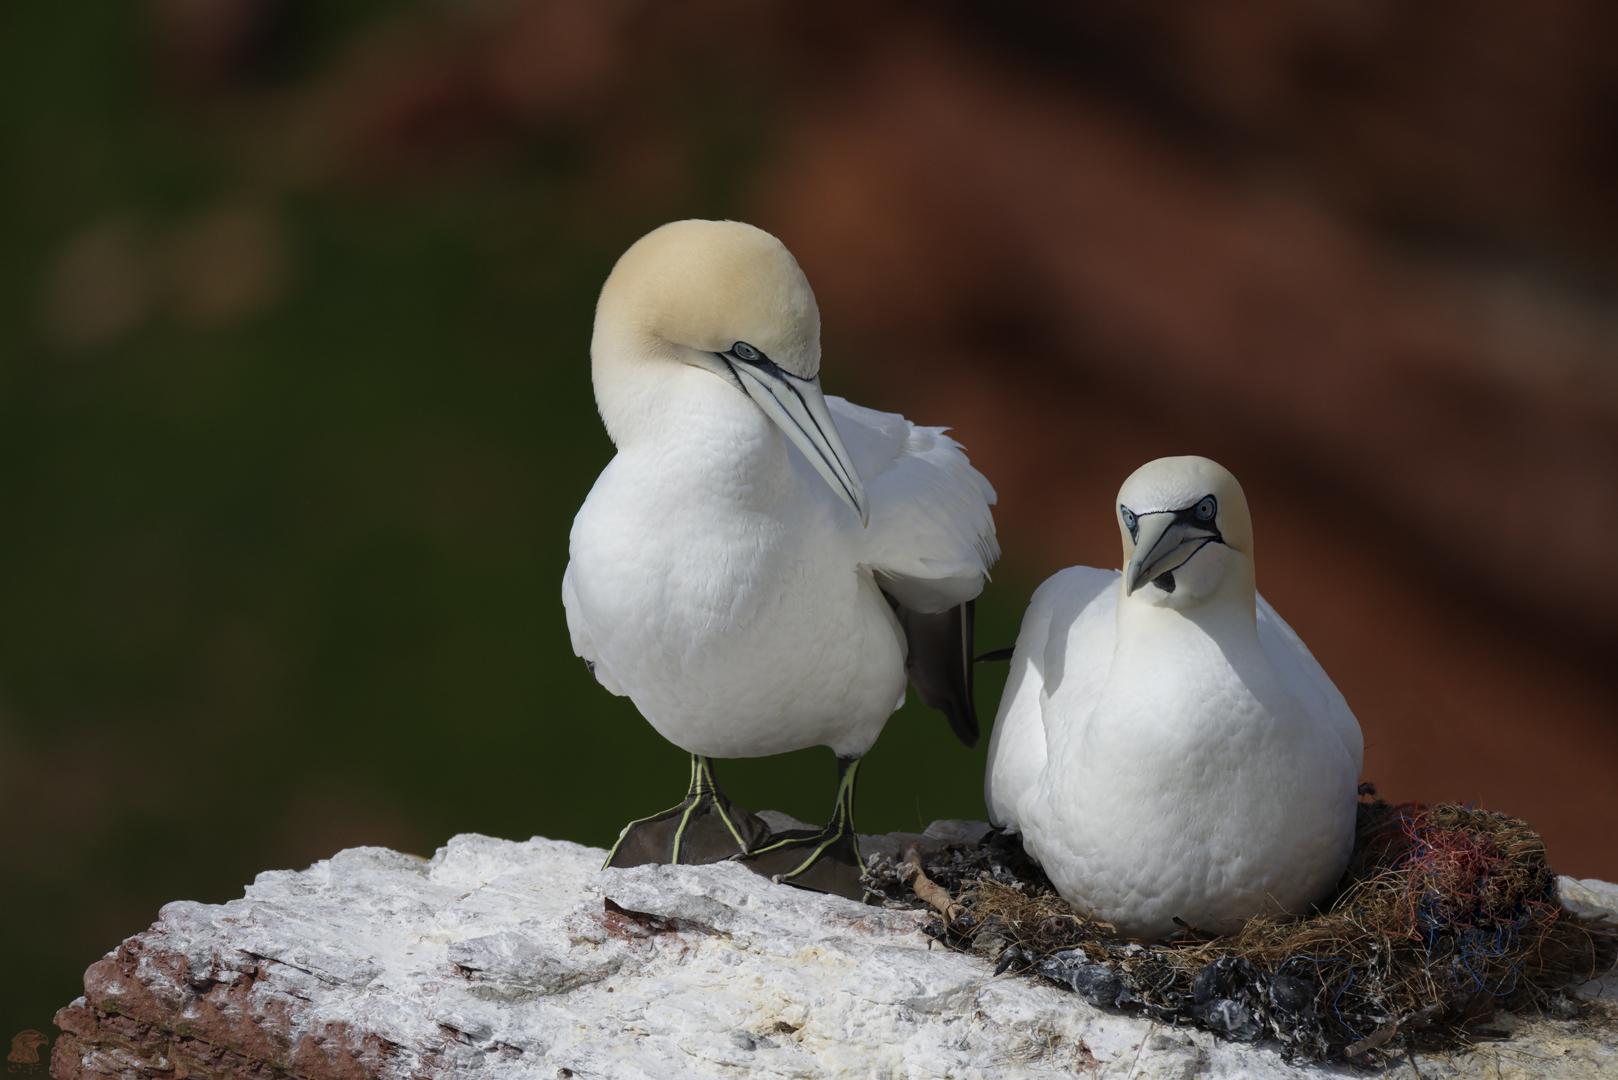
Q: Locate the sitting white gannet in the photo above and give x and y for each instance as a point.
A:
(761, 567)
(1167, 746)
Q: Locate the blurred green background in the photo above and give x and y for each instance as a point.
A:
(287, 468)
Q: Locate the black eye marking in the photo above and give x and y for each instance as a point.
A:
(1206, 509)
(1130, 521)
(745, 351)
(1165, 581)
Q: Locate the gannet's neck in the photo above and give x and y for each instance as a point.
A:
(1228, 617)
(633, 375)
(697, 435)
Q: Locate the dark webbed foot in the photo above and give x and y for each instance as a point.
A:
(824, 860)
(706, 827)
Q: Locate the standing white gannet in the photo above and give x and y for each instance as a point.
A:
(1167, 746)
(760, 567)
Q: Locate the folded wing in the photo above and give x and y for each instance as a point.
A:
(1017, 748)
(931, 539)
(929, 545)
(580, 633)
(1304, 676)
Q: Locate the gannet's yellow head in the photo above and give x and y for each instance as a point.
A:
(730, 299)
(1187, 534)
(705, 285)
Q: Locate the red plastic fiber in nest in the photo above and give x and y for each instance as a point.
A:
(1459, 872)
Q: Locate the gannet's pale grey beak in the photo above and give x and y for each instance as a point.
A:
(799, 409)
(1167, 539)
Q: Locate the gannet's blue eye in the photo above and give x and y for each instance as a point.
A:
(1207, 508)
(745, 351)
(1129, 521)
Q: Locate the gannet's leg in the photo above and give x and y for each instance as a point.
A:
(825, 860)
(706, 827)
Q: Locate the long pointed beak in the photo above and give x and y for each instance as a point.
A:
(799, 409)
(1167, 539)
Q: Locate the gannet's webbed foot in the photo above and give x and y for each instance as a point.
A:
(824, 860)
(705, 828)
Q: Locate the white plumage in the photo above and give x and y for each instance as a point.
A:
(722, 573)
(1174, 752)
(721, 584)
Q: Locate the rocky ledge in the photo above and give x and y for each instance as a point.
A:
(497, 959)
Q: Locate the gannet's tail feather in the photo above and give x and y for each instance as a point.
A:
(939, 663)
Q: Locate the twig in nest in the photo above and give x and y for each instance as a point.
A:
(926, 889)
(1372, 1041)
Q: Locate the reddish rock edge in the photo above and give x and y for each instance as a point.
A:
(216, 1029)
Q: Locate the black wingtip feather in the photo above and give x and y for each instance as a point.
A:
(939, 663)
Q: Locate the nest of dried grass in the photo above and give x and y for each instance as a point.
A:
(1444, 915)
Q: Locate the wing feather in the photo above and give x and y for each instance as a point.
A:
(1304, 676)
(583, 646)
(931, 539)
(1065, 645)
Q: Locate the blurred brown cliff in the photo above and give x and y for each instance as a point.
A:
(1366, 255)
